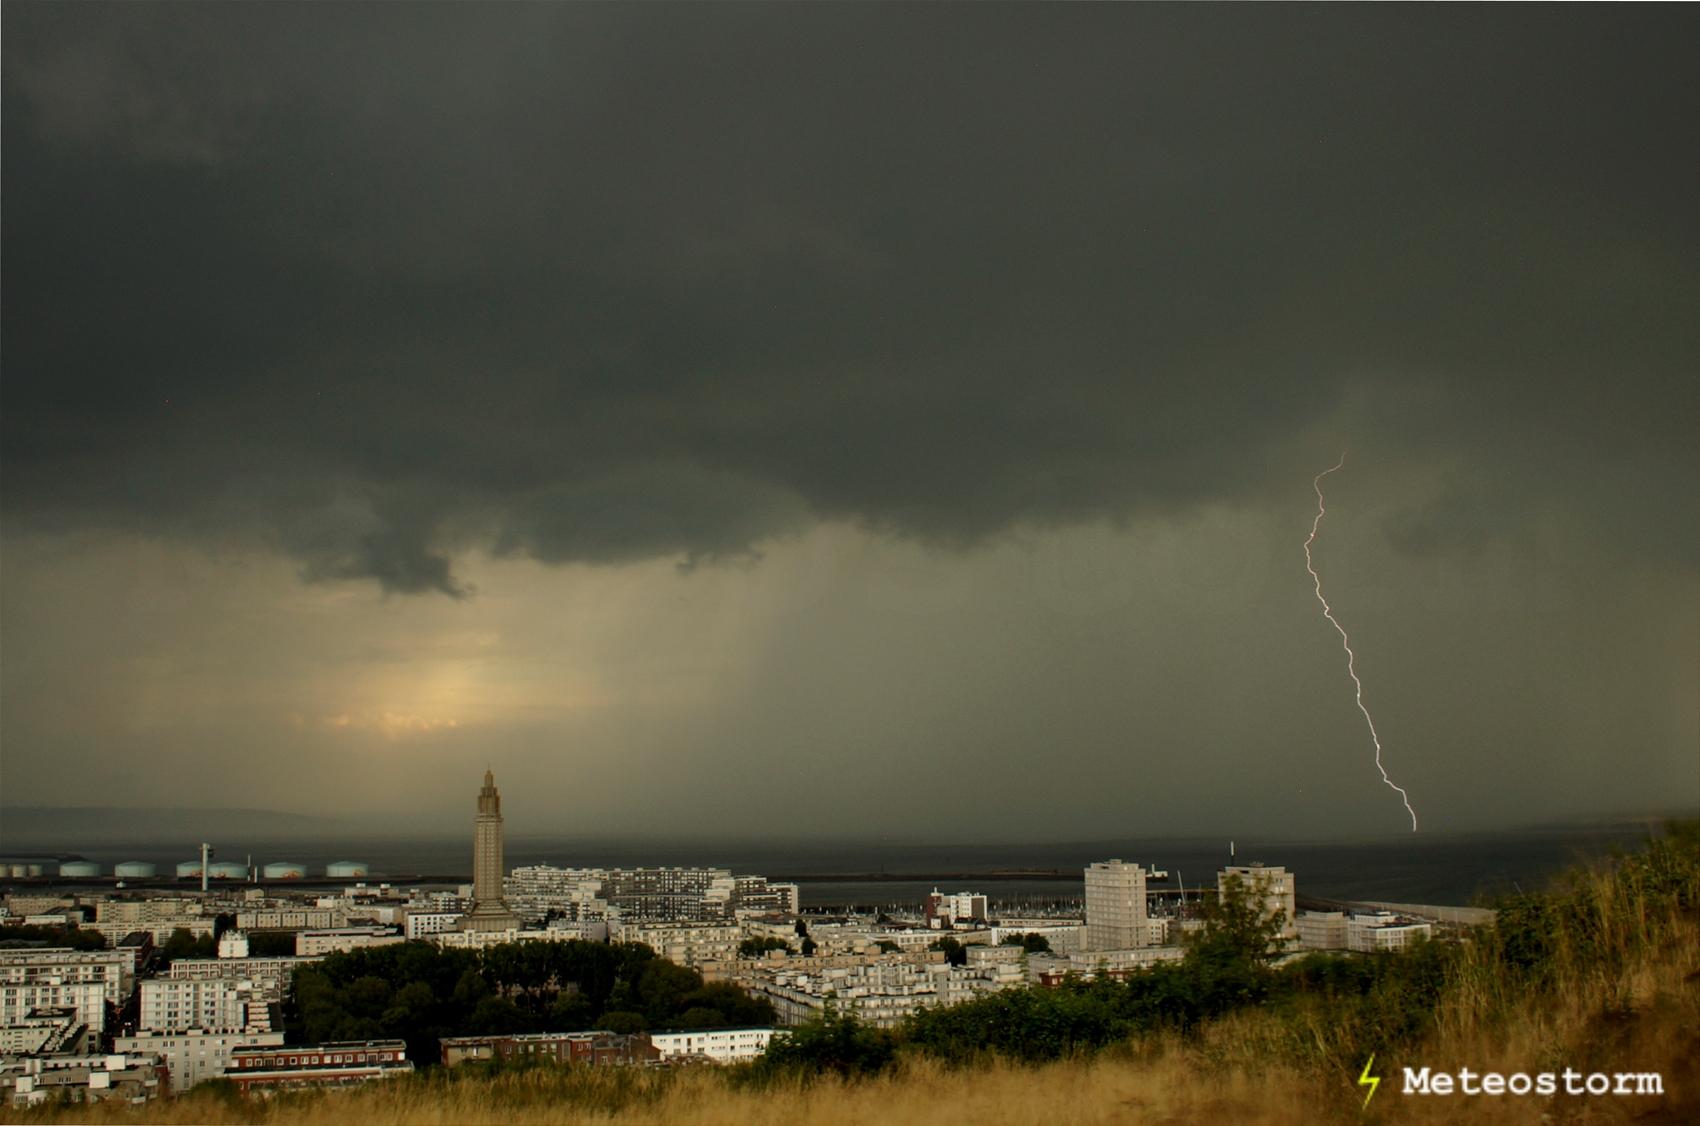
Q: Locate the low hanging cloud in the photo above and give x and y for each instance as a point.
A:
(376, 287)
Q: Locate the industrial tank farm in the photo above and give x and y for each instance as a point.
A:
(79, 868)
(347, 869)
(142, 870)
(284, 870)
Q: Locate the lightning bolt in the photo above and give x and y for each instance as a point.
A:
(1366, 1079)
(1346, 642)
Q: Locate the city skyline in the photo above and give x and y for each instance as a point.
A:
(907, 433)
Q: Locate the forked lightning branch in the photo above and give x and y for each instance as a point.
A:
(1345, 641)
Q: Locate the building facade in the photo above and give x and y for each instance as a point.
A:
(600, 1049)
(1116, 911)
(266, 1067)
(196, 1054)
(88, 981)
(714, 1045)
(171, 1004)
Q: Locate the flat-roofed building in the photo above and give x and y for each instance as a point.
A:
(172, 1004)
(1384, 932)
(715, 1045)
(58, 977)
(195, 1054)
(316, 943)
(57, 1032)
(1116, 910)
(128, 1077)
(271, 976)
(269, 1067)
(1322, 930)
(596, 1048)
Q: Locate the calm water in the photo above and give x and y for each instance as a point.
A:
(1428, 868)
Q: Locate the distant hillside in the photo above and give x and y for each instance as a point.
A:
(66, 827)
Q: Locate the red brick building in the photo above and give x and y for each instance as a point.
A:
(273, 1067)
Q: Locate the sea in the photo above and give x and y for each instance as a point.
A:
(1452, 868)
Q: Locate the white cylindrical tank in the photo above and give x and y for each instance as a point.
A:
(284, 870)
(227, 870)
(347, 869)
(83, 868)
(189, 869)
(140, 870)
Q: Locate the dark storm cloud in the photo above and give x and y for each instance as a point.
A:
(377, 284)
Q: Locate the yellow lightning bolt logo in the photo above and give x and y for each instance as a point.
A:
(1370, 1081)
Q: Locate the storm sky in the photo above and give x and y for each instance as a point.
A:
(867, 420)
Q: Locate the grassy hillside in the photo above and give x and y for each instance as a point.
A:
(1600, 974)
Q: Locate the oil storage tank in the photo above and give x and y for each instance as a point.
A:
(347, 869)
(80, 868)
(284, 870)
(189, 869)
(140, 870)
(228, 870)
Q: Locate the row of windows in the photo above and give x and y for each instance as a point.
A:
(319, 1061)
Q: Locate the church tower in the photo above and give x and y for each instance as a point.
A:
(489, 910)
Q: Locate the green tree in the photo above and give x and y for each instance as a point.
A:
(736, 1007)
(496, 1015)
(661, 986)
(808, 948)
(700, 1017)
(954, 952)
(571, 1012)
(833, 1042)
(178, 945)
(1031, 943)
(1239, 926)
(761, 944)
(625, 1022)
(271, 944)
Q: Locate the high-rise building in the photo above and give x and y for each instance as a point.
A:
(489, 910)
(1115, 906)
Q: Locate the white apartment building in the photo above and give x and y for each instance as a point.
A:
(1116, 916)
(59, 977)
(1380, 933)
(424, 924)
(291, 918)
(572, 893)
(146, 914)
(128, 1078)
(1322, 930)
(881, 993)
(114, 933)
(687, 944)
(45, 1031)
(721, 1045)
(87, 999)
(1274, 886)
(1089, 963)
(171, 1004)
(271, 976)
(196, 1054)
(315, 943)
